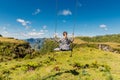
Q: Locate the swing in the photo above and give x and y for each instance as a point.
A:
(64, 44)
(70, 48)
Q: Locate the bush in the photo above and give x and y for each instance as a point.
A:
(0, 35)
(13, 50)
(48, 46)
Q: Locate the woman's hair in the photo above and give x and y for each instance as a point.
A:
(64, 33)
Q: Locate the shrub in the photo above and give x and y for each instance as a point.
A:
(48, 46)
(0, 35)
(14, 50)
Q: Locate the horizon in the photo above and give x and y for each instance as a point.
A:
(24, 19)
(60, 36)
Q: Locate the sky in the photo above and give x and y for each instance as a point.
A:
(24, 19)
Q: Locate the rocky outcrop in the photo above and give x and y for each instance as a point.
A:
(106, 47)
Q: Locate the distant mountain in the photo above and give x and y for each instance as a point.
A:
(35, 43)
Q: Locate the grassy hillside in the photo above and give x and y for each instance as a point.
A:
(12, 48)
(105, 38)
(11, 40)
(86, 64)
(111, 41)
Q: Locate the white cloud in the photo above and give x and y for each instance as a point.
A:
(46, 30)
(35, 34)
(56, 34)
(24, 23)
(104, 27)
(41, 30)
(44, 27)
(32, 34)
(27, 27)
(5, 32)
(24, 34)
(37, 11)
(34, 30)
(70, 35)
(65, 12)
(4, 28)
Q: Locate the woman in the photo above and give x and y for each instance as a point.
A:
(64, 43)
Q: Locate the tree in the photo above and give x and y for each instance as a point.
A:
(0, 35)
(48, 46)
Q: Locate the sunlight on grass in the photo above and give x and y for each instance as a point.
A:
(86, 64)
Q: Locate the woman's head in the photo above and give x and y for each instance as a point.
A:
(65, 34)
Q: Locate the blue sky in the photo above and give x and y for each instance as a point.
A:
(37, 18)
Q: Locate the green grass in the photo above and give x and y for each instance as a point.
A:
(103, 38)
(12, 40)
(12, 48)
(86, 64)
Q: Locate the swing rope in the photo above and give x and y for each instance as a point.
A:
(75, 16)
(56, 22)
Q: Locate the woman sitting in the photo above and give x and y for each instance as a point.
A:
(64, 43)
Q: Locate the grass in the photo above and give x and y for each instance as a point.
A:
(11, 40)
(12, 48)
(86, 64)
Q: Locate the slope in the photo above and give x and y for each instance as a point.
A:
(12, 48)
(86, 64)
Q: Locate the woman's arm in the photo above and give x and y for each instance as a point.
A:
(72, 39)
(56, 39)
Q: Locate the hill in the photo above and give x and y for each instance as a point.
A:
(87, 63)
(13, 48)
(107, 42)
(11, 40)
(105, 38)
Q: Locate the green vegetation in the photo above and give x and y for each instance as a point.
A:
(87, 63)
(106, 38)
(48, 46)
(0, 35)
(111, 42)
(11, 48)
